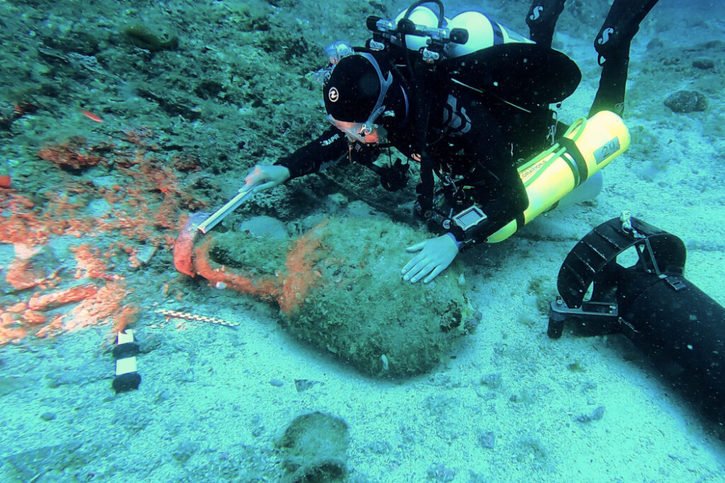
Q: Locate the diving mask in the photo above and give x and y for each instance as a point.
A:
(362, 132)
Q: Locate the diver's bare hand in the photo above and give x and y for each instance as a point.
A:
(263, 177)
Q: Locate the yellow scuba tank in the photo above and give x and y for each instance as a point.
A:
(587, 147)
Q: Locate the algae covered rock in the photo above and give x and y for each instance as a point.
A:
(686, 101)
(314, 448)
(151, 39)
(339, 288)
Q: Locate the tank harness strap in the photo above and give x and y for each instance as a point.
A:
(455, 121)
(575, 160)
(573, 156)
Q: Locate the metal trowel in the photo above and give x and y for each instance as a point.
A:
(184, 243)
(231, 205)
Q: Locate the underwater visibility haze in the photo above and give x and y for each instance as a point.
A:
(283, 343)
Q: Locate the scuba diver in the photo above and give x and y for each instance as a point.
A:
(469, 104)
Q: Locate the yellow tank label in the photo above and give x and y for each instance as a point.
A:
(527, 173)
(606, 150)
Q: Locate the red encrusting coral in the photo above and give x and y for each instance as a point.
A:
(89, 263)
(94, 305)
(300, 271)
(61, 297)
(265, 288)
(70, 154)
(144, 208)
(125, 318)
(289, 288)
(21, 274)
(184, 246)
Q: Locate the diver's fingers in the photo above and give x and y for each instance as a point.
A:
(434, 274)
(412, 263)
(423, 271)
(417, 265)
(417, 247)
(254, 176)
(264, 186)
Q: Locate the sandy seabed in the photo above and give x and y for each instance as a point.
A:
(511, 405)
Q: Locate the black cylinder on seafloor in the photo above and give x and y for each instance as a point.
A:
(683, 330)
(678, 326)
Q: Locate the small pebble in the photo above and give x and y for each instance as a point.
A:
(487, 439)
(304, 384)
(596, 415)
(145, 254)
(380, 447)
(492, 380)
(276, 382)
(703, 64)
(440, 472)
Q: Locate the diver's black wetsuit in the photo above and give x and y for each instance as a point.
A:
(475, 146)
(476, 142)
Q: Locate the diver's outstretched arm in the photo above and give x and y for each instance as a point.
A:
(542, 18)
(612, 44)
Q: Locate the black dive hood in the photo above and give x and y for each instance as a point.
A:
(665, 315)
